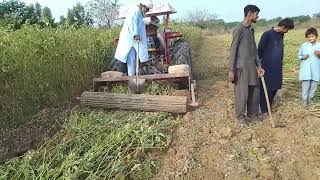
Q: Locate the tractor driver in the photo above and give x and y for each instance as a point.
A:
(133, 33)
(152, 25)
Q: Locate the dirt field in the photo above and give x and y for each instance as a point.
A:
(209, 143)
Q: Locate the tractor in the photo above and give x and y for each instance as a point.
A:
(169, 60)
(166, 48)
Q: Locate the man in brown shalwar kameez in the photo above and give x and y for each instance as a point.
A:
(245, 67)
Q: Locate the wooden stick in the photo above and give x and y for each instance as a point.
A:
(267, 99)
(140, 102)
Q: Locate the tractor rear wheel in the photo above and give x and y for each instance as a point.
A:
(117, 65)
(181, 54)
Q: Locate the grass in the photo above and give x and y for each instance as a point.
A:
(43, 68)
(49, 67)
(293, 41)
(190, 33)
(95, 145)
(151, 87)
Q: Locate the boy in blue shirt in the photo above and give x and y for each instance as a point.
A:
(309, 54)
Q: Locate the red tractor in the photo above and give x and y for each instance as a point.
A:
(166, 48)
(170, 60)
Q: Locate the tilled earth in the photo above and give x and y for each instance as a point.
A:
(209, 143)
(29, 136)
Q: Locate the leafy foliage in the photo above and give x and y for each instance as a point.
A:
(78, 16)
(47, 67)
(12, 14)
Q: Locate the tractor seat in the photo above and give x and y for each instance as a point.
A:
(152, 50)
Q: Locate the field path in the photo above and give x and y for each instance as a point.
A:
(209, 144)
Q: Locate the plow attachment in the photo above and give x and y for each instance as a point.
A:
(139, 102)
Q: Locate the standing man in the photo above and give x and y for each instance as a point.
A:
(245, 67)
(132, 32)
(270, 51)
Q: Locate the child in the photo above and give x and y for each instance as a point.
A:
(309, 54)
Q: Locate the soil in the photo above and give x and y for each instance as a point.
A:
(210, 144)
(44, 125)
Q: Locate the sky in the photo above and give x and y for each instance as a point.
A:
(229, 10)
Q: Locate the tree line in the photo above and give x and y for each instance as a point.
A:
(205, 19)
(14, 14)
(103, 13)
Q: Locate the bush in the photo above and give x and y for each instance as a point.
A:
(191, 33)
(293, 41)
(48, 67)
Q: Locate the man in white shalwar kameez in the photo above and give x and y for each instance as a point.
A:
(132, 32)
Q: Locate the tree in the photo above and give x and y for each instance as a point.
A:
(277, 19)
(11, 14)
(200, 17)
(104, 12)
(46, 18)
(78, 16)
(30, 15)
(63, 21)
(70, 18)
(262, 22)
(301, 19)
(317, 15)
(14, 13)
(231, 25)
(38, 11)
